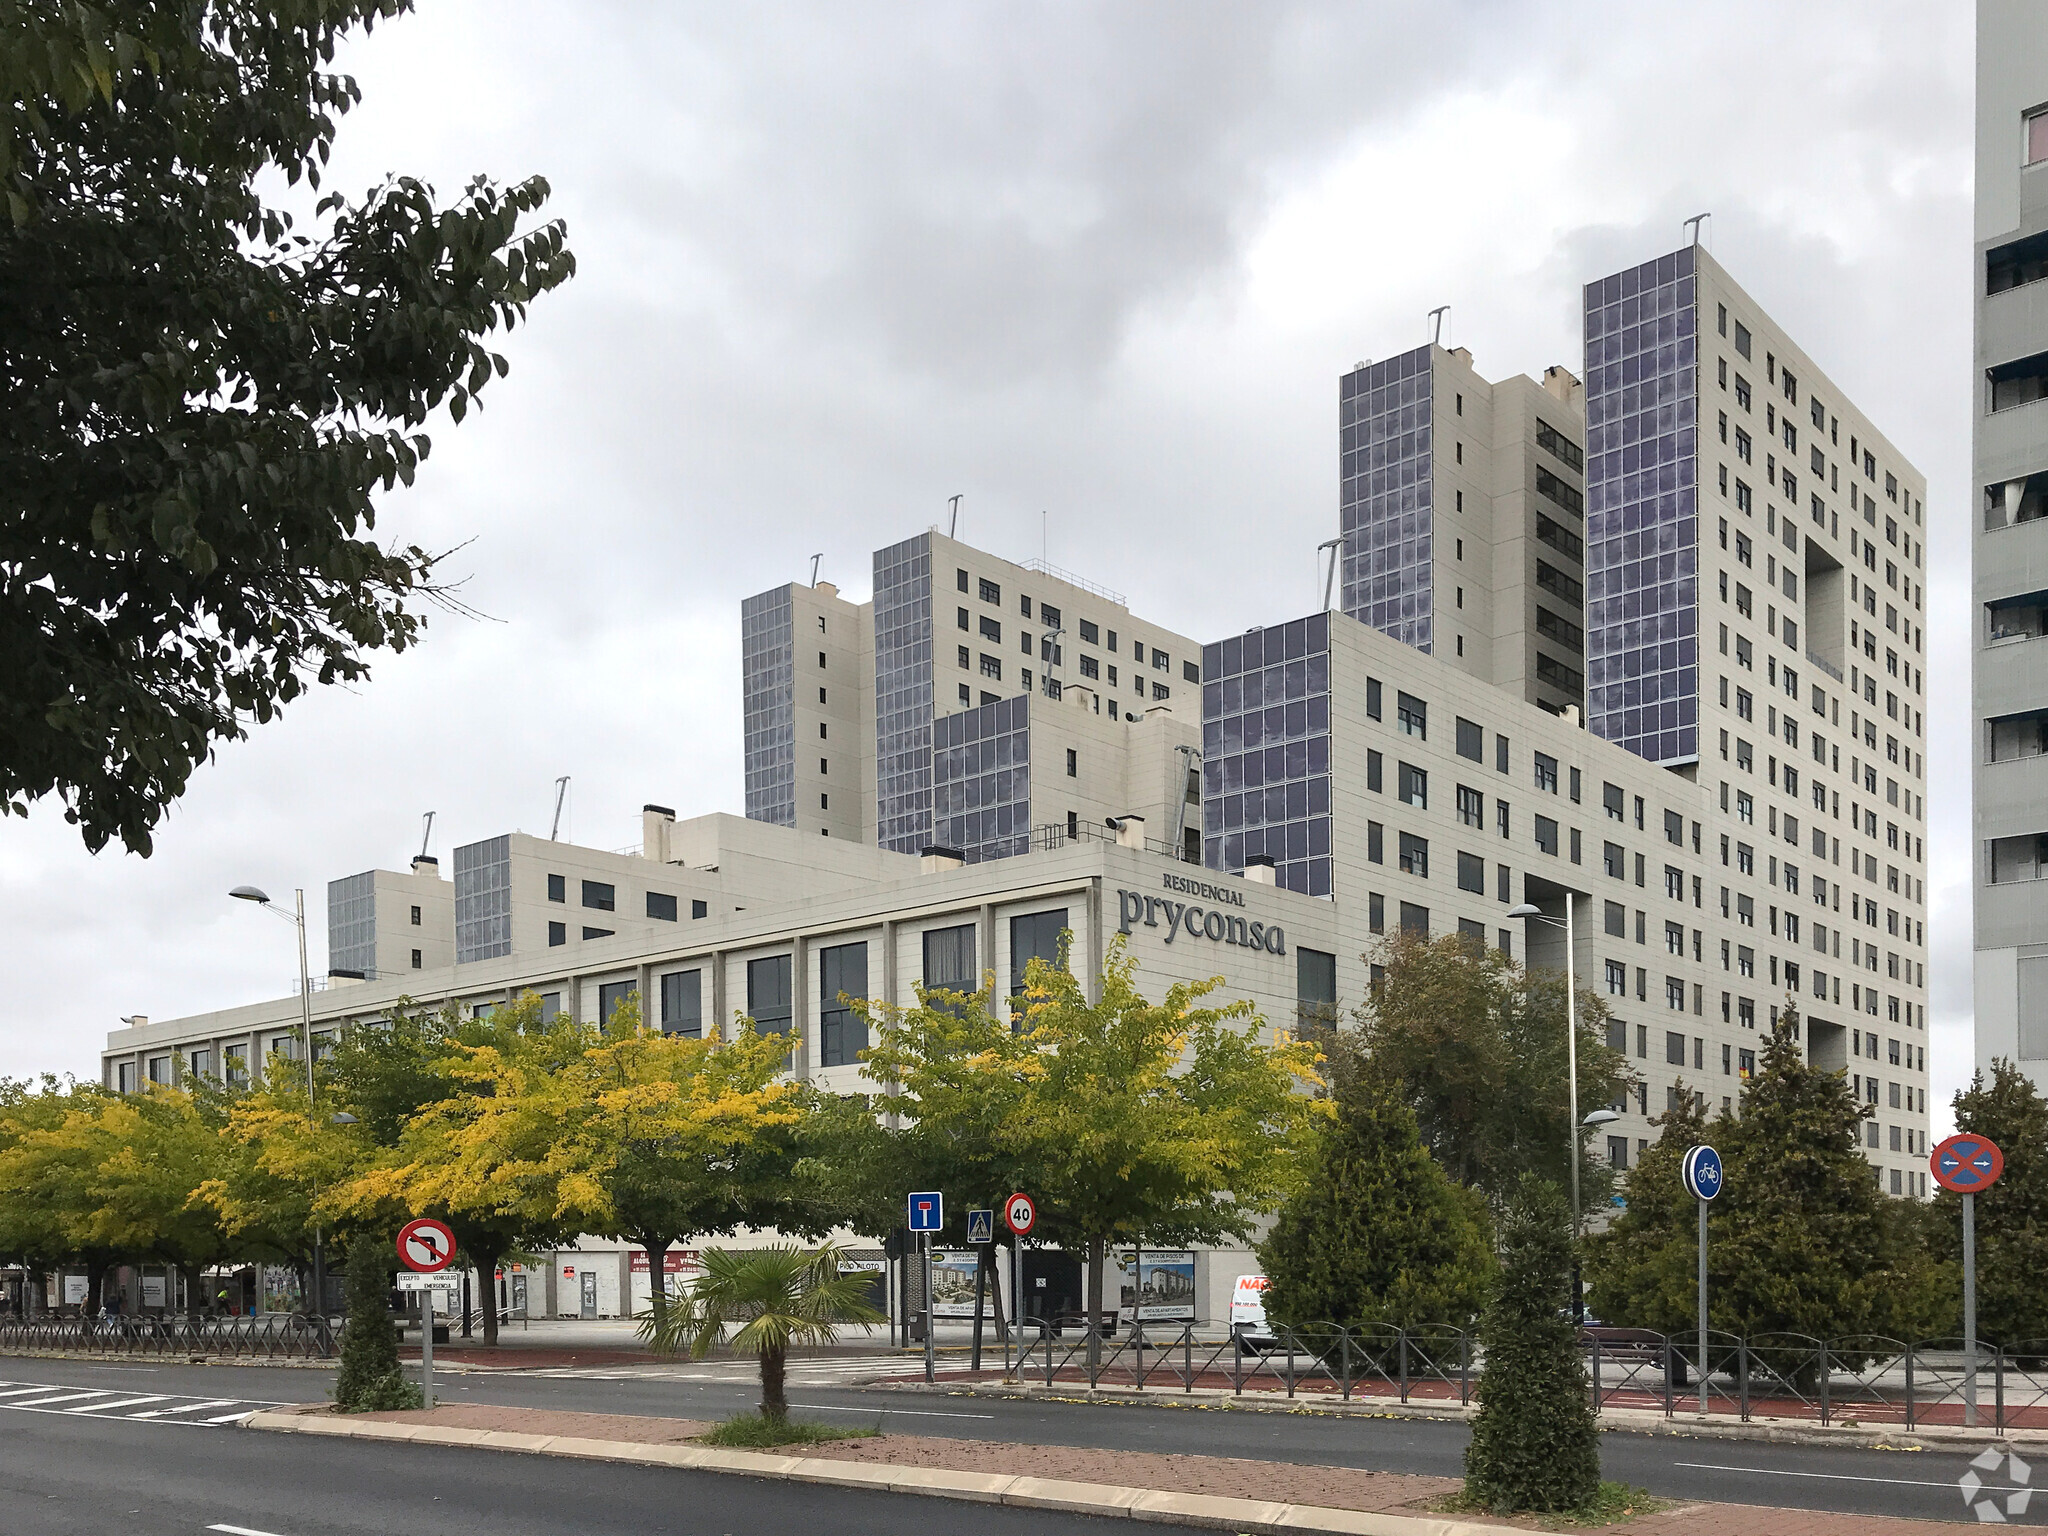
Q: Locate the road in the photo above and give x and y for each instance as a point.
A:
(155, 1457)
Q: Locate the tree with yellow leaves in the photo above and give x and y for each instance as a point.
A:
(1126, 1119)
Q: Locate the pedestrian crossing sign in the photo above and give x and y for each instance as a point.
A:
(981, 1226)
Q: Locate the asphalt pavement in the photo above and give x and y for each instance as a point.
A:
(1922, 1484)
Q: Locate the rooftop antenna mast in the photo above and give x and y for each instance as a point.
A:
(953, 528)
(1694, 224)
(1191, 763)
(561, 794)
(814, 567)
(1436, 315)
(1330, 580)
(426, 834)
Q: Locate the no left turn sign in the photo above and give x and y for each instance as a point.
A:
(426, 1246)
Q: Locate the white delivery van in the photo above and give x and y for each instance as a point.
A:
(1248, 1312)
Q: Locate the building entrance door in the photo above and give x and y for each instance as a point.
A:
(589, 1279)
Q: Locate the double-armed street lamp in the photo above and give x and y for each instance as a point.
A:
(1530, 912)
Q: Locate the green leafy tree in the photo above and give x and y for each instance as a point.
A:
(772, 1298)
(370, 1379)
(1376, 1233)
(1478, 1045)
(2012, 1216)
(1800, 1241)
(1642, 1268)
(1535, 1444)
(33, 1233)
(204, 389)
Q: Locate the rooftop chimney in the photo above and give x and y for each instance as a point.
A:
(657, 829)
(936, 861)
(1259, 869)
(825, 588)
(427, 864)
(1130, 832)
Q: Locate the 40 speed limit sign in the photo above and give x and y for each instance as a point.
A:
(1020, 1215)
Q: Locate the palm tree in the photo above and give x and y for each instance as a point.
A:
(776, 1296)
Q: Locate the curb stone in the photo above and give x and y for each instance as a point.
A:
(1158, 1506)
(1629, 1421)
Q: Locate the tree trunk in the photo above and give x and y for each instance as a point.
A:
(487, 1281)
(656, 1250)
(774, 1406)
(1097, 1252)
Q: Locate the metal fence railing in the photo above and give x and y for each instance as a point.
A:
(1859, 1379)
(274, 1335)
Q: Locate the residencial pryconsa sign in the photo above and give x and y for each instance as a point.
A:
(1136, 910)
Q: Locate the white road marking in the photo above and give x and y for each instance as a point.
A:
(68, 1397)
(233, 1418)
(239, 1530)
(218, 1402)
(24, 1391)
(126, 1402)
(1833, 1477)
(914, 1413)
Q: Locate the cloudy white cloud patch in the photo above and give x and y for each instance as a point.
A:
(1098, 262)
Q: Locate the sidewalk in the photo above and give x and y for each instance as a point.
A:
(1219, 1492)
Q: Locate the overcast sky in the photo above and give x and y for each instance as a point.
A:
(840, 262)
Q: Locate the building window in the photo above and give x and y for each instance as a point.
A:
(1471, 740)
(416, 960)
(842, 979)
(599, 896)
(991, 666)
(124, 1077)
(661, 907)
(1546, 773)
(1414, 855)
(612, 996)
(1612, 858)
(990, 592)
(558, 887)
(1034, 936)
(415, 917)
(1414, 786)
(1617, 980)
(1415, 920)
(682, 1004)
(1546, 835)
(949, 960)
(1471, 807)
(1412, 715)
(768, 993)
(1315, 988)
(597, 933)
(2036, 138)
(1472, 873)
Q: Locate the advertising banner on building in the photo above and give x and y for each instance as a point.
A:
(1157, 1285)
(680, 1266)
(953, 1285)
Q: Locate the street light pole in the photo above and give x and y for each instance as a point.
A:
(298, 920)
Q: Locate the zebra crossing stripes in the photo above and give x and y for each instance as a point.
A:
(128, 1404)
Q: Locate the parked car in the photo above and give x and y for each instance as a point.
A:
(1248, 1313)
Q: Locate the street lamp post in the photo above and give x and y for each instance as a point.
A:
(1532, 913)
(298, 919)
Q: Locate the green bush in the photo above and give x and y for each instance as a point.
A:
(1535, 1445)
(752, 1429)
(370, 1380)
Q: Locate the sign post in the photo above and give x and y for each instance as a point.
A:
(1965, 1164)
(927, 1215)
(426, 1247)
(1702, 1174)
(1020, 1215)
(981, 1232)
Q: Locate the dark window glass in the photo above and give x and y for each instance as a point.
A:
(1414, 919)
(949, 959)
(1315, 987)
(1035, 935)
(768, 994)
(842, 975)
(1372, 698)
(661, 906)
(1471, 740)
(558, 933)
(610, 994)
(599, 896)
(558, 887)
(1472, 873)
(682, 1003)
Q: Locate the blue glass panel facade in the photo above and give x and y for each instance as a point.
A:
(768, 706)
(1266, 752)
(981, 780)
(1384, 495)
(1642, 509)
(483, 900)
(903, 695)
(352, 924)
